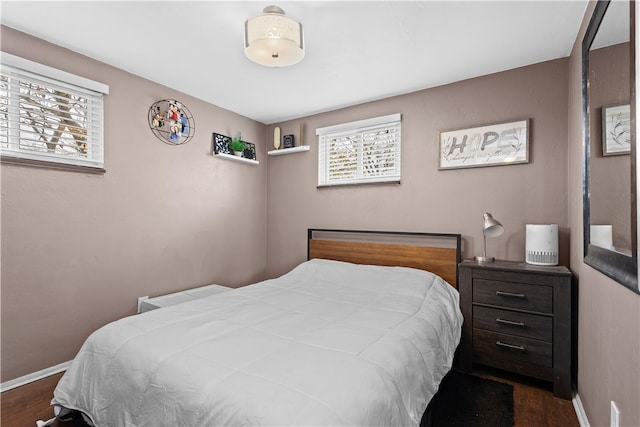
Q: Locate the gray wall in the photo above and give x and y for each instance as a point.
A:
(78, 249)
(428, 199)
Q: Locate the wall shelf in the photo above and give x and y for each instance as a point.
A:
(234, 158)
(298, 149)
(222, 149)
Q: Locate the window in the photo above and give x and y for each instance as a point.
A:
(366, 151)
(50, 117)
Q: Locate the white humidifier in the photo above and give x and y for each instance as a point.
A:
(542, 244)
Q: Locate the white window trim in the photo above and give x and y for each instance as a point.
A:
(61, 78)
(359, 124)
(354, 128)
(52, 73)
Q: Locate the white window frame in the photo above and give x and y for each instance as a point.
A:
(16, 68)
(357, 131)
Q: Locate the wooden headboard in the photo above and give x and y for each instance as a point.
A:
(439, 253)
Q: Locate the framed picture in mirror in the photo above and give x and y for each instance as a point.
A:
(616, 130)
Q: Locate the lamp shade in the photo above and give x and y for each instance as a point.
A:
(492, 227)
(272, 39)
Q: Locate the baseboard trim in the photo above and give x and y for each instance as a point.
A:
(35, 376)
(580, 413)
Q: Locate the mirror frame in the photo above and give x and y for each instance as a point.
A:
(619, 267)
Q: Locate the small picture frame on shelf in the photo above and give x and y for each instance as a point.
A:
(289, 141)
(250, 151)
(221, 144)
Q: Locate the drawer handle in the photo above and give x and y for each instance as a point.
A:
(510, 322)
(515, 347)
(509, 294)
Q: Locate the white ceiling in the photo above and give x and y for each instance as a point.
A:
(355, 51)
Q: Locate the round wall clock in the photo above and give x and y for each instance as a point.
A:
(171, 122)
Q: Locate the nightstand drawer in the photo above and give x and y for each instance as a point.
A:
(491, 348)
(513, 323)
(513, 295)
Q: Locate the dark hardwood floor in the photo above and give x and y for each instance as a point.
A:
(534, 404)
(23, 406)
(533, 401)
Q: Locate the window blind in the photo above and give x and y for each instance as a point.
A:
(366, 151)
(50, 116)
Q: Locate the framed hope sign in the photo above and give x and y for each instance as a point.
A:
(492, 145)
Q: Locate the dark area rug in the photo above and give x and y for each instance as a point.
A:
(466, 401)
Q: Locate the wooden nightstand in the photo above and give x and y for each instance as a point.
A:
(518, 317)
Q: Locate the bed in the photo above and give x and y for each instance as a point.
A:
(361, 333)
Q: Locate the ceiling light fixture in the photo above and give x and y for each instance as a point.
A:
(272, 39)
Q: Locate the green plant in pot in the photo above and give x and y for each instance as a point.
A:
(237, 145)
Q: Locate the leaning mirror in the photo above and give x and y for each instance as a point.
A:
(608, 55)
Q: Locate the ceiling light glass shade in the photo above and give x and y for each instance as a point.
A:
(272, 39)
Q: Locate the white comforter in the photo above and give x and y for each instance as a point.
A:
(328, 343)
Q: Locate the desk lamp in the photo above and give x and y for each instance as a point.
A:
(491, 228)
